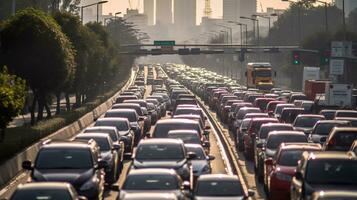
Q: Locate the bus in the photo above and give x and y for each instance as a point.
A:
(260, 76)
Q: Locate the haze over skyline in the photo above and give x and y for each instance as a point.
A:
(114, 6)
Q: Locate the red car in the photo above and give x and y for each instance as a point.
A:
(272, 105)
(287, 157)
(249, 138)
(261, 102)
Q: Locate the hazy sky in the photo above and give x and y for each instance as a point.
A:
(121, 5)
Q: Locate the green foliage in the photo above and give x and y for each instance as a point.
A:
(35, 48)
(12, 97)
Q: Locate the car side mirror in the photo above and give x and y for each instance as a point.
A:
(82, 198)
(186, 185)
(191, 155)
(27, 165)
(206, 144)
(298, 175)
(102, 164)
(269, 161)
(211, 157)
(169, 113)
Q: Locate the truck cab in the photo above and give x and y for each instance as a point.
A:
(260, 76)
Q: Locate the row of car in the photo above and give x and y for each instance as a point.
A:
(169, 161)
(299, 151)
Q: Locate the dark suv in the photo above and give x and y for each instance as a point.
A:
(324, 171)
(73, 162)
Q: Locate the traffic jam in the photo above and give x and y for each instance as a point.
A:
(167, 137)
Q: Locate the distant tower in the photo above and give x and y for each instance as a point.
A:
(164, 12)
(149, 11)
(185, 13)
(207, 11)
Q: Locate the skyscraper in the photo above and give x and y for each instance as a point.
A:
(231, 10)
(163, 12)
(185, 13)
(248, 7)
(149, 11)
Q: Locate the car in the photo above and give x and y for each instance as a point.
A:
(163, 153)
(272, 105)
(46, 190)
(136, 123)
(260, 143)
(189, 137)
(273, 141)
(163, 127)
(112, 132)
(74, 162)
(242, 112)
(139, 110)
(162, 103)
(288, 115)
(323, 128)
(189, 111)
(252, 131)
(279, 109)
(220, 186)
(155, 180)
(325, 170)
(153, 111)
(121, 98)
(351, 120)
(197, 118)
(157, 105)
(328, 114)
(284, 164)
(306, 122)
(297, 96)
(241, 131)
(345, 113)
(108, 153)
(340, 139)
(124, 129)
(262, 102)
(181, 101)
(334, 194)
(201, 164)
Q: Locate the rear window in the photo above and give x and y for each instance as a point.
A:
(186, 138)
(64, 159)
(160, 152)
(342, 140)
(328, 114)
(131, 116)
(42, 194)
(307, 122)
(290, 157)
(264, 131)
(242, 113)
(257, 124)
(346, 114)
(325, 128)
(161, 130)
(219, 188)
(151, 182)
(274, 141)
(111, 133)
(121, 125)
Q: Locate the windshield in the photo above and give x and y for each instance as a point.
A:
(219, 188)
(162, 130)
(290, 157)
(42, 194)
(131, 116)
(306, 122)
(274, 141)
(262, 73)
(160, 152)
(339, 172)
(186, 138)
(324, 128)
(103, 143)
(121, 125)
(111, 133)
(242, 113)
(151, 182)
(64, 159)
(200, 154)
(346, 114)
(342, 140)
(264, 131)
(279, 108)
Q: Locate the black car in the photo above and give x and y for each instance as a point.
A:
(164, 153)
(73, 162)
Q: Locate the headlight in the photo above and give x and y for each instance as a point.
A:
(283, 177)
(89, 184)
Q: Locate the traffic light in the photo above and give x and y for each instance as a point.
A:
(325, 58)
(296, 57)
(242, 54)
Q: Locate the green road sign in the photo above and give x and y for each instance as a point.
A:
(164, 42)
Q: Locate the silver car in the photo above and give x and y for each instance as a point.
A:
(202, 163)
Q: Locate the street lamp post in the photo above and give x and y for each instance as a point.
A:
(230, 31)
(253, 20)
(241, 34)
(117, 13)
(82, 7)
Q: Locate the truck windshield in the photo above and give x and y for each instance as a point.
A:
(263, 73)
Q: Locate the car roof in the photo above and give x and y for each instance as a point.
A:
(150, 171)
(187, 116)
(187, 131)
(127, 104)
(150, 196)
(160, 141)
(94, 135)
(346, 118)
(127, 110)
(330, 155)
(66, 144)
(44, 185)
(265, 119)
(300, 145)
(350, 111)
(310, 115)
(216, 177)
(286, 133)
(276, 124)
(113, 119)
(181, 121)
(101, 128)
(333, 121)
(198, 146)
(337, 129)
(336, 193)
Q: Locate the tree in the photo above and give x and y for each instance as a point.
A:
(47, 59)
(12, 98)
(352, 20)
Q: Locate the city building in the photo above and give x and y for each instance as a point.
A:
(163, 12)
(349, 5)
(247, 7)
(185, 13)
(149, 11)
(138, 19)
(231, 10)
